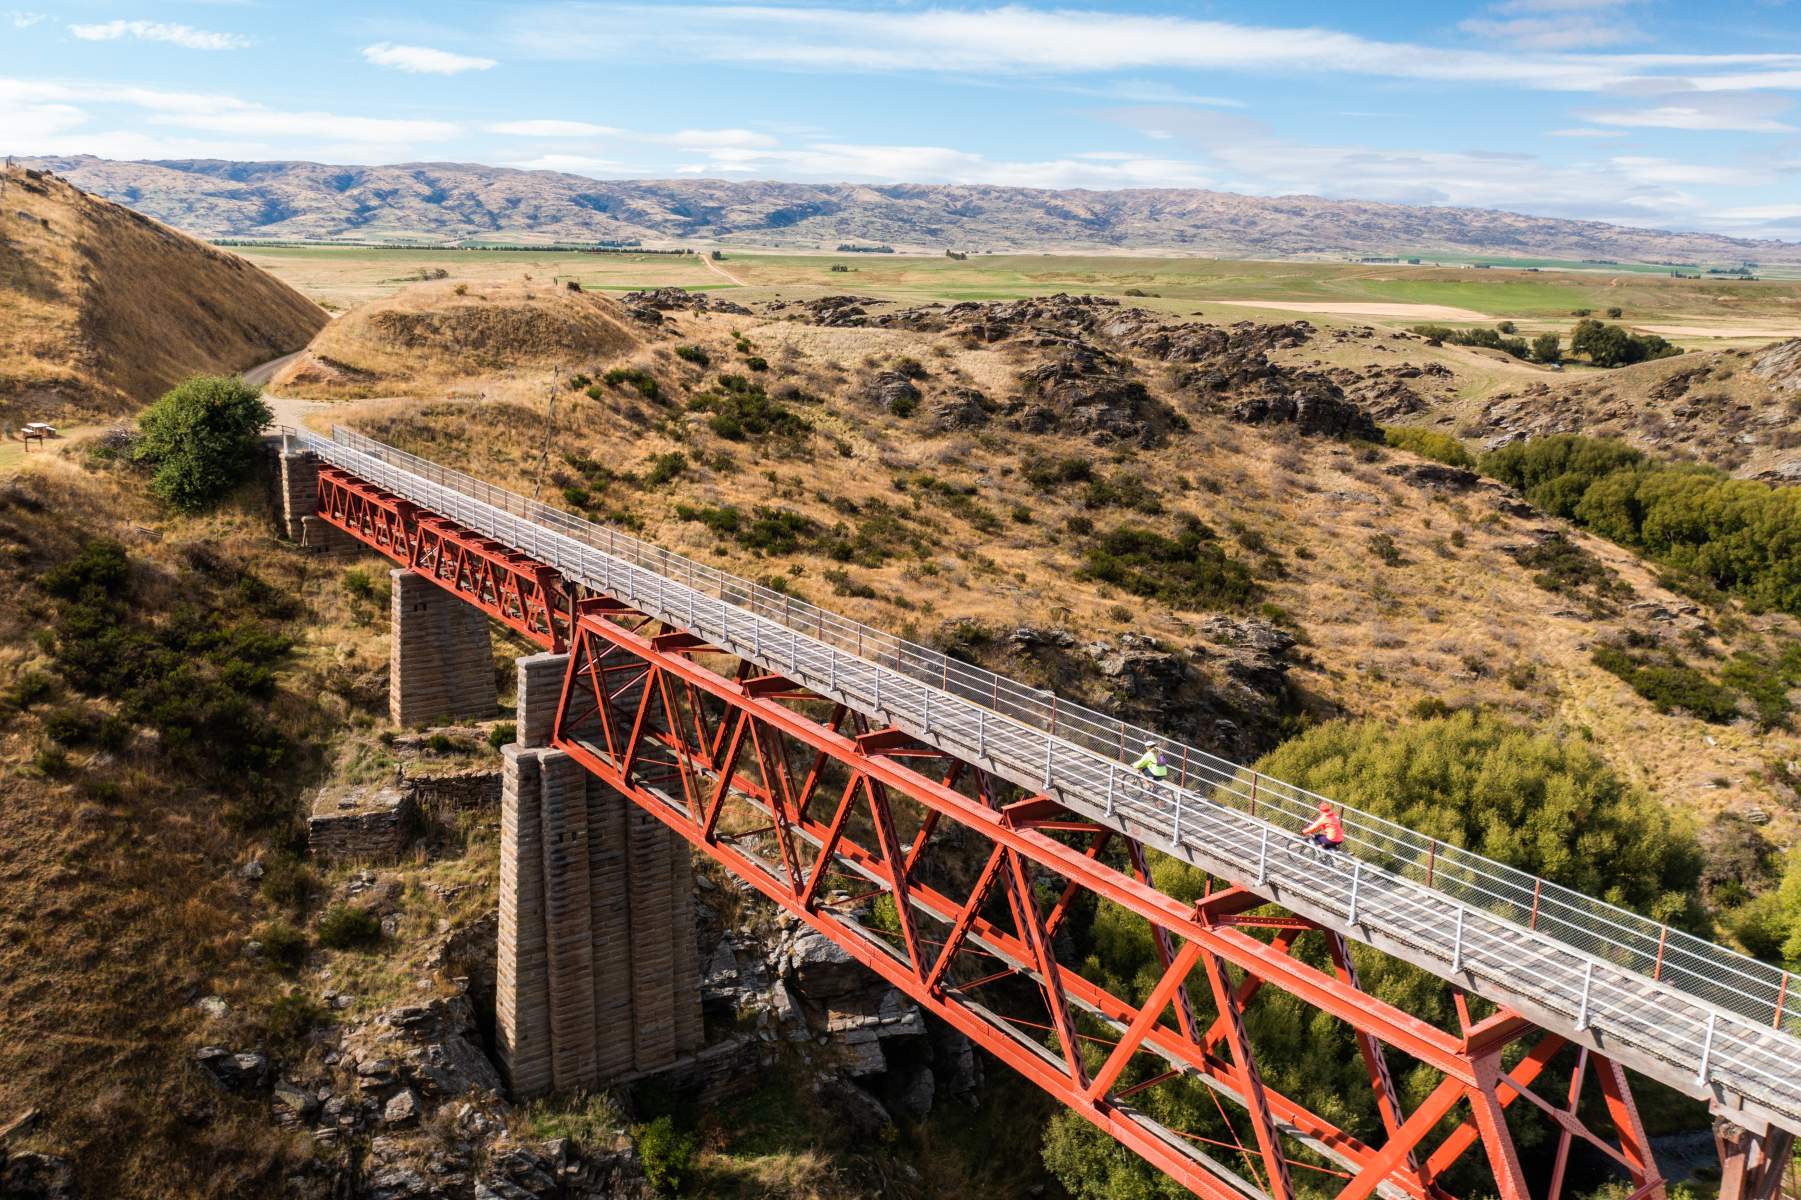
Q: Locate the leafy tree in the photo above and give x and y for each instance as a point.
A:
(1544, 804)
(1547, 348)
(1615, 345)
(1429, 443)
(200, 438)
(1536, 802)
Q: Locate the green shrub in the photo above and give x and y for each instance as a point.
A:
(1188, 571)
(665, 467)
(344, 927)
(200, 438)
(1429, 443)
(903, 405)
(1383, 547)
(668, 1155)
(29, 688)
(756, 362)
(503, 734)
(288, 882)
(1736, 535)
(640, 380)
(693, 354)
(1480, 336)
(1669, 683)
(1547, 348)
(741, 409)
(284, 947)
(1122, 489)
(1047, 473)
(766, 530)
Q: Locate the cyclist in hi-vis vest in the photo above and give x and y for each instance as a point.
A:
(1327, 831)
(1150, 764)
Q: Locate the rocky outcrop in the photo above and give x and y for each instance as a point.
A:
(1311, 404)
(1780, 366)
(1087, 392)
(962, 408)
(238, 1072)
(893, 392)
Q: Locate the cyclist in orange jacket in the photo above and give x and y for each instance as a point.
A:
(1327, 831)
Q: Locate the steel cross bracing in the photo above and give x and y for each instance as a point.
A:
(798, 796)
(1678, 1016)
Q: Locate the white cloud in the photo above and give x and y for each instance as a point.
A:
(1663, 170)
(423, 60)
(708, 139)
(1587, 133)
(160, 31)
(25, 20)
(574, 164)
(212, 113)
(1020, 40)
(1556, 24)
(1691, 116)
(550, 128)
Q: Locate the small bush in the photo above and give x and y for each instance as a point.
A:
(641, 381)
(344, 927)
(1668, 683)
(1615, 313)
(694, 354)
(283, 945)
(29, 688)
(288, 882)
(756, 362)
(503, 734)
(579, 382)
(1188, 571)
(903, 405)
(1383, 547)
(668, 1155)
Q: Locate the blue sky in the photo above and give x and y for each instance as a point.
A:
(1647, 112)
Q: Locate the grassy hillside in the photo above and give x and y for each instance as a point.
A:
(103, 309)
(937, 519)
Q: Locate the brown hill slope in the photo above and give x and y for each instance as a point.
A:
(1738, 410)
(427, 338)
(466, 200)
(103, 308)
(977, 474)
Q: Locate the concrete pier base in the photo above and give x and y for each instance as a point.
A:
(599, 974)
(441, 659)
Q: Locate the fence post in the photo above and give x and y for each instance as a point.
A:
(878, 689)
(1356, 883)
(1457, 946)
(831, 669)
(1263, 858)
(1588, 985)
(1050, 748)
(1176, 834)
(1112, 768)
(926, 720)
(981, 733)
(1707, 1049)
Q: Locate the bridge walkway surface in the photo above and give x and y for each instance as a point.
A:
(1698, 1017)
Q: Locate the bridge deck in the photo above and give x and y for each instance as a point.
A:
(1698, 1017)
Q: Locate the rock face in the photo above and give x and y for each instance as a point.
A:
(1780, 366)
(433, 1049)
(869, 1044)
(241, 1072)
(1089, 393)
(894, 392)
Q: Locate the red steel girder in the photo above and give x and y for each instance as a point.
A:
(517, 591)
(642, 713)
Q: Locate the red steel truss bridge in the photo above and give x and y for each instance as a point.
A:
(802, 750)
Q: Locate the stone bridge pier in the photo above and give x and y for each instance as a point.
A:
(599, 976)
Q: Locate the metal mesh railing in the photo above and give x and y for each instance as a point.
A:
(1591, 961)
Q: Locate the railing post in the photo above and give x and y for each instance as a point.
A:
(1356, 883)
(1050, 748)
(878, 689)
(1588, 985)
(1663, 939)
(1457, 945)
(1176, 824)
(981, 733)
(831, 669)
(1263, 858)
(1707, 1049)
(1781, 997)
(1112, 769)
(926, 720)
(1431, 860)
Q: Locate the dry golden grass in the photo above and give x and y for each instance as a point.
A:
(508, 339)
(103, 309)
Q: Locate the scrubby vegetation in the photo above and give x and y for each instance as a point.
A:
(742, 410)
(1429, 443)
(199, 439)
(1615, 345)
(1737, 535)
(1481, 335)
(1189, 571)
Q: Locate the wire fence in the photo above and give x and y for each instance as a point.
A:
(1458, 906)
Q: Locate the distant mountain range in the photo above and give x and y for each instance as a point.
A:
(451, 201)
